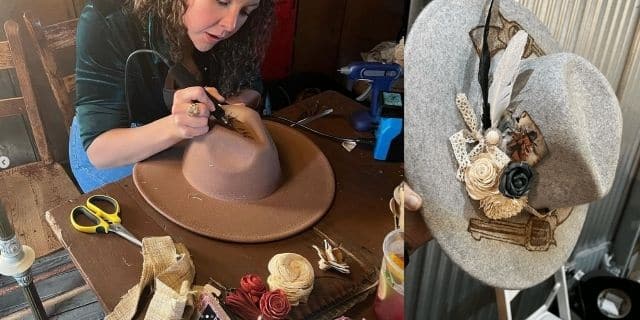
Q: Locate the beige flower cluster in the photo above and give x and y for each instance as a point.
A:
(481, 179)
(293, 274)
(499, 207)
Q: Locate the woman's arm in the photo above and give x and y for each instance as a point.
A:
(121, 146)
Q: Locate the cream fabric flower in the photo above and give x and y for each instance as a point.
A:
(293, 274)
(482, 177)
(498, 207)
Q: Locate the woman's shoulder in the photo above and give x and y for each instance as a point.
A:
(107, 32)
(105, 8)
(107, 18)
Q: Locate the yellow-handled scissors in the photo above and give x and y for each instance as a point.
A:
(105, 221)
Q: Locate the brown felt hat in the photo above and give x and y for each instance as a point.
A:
(262, 181)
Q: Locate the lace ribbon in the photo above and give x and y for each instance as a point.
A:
(472, 135)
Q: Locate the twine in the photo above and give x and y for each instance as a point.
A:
(170, 268)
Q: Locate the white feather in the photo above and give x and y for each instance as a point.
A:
(505, 75)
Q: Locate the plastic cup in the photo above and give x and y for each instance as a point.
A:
(389, 303)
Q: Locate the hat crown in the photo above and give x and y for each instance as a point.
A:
(240, 164)
(579, 116)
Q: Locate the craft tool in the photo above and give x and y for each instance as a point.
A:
(381, 76)
(185, 79)
(105, 221)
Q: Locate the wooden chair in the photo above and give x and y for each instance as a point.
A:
(28, 190)
(48, 40)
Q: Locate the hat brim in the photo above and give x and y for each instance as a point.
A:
(305, 193)
(441, 62)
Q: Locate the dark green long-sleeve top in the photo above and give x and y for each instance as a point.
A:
(107, 34)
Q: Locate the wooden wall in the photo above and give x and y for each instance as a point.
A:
(333, 33)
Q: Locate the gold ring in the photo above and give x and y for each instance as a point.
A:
(193, 110)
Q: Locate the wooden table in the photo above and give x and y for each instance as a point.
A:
(358, 219)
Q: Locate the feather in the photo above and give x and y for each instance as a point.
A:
(505, 75)
(483, 71)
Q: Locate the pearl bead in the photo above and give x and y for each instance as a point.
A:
(493, 137)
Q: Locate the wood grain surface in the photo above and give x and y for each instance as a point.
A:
(26, 191)
(358, 220)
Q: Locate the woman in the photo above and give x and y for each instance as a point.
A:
(126, 108)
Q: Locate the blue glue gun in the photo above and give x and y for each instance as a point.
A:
(381, 76)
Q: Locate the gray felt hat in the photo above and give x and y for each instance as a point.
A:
(577, 124)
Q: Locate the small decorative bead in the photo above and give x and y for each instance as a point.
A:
(493, 137)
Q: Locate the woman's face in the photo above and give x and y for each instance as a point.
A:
(211, 21)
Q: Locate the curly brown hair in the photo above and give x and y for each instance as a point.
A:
(239, 57)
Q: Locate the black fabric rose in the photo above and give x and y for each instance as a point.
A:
(516, 180)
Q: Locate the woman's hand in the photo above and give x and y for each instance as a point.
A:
(121, 146)
(191, 109)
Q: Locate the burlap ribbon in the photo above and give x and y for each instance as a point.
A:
(170, 267)
(471, 135)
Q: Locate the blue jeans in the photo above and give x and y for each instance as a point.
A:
(89, 177)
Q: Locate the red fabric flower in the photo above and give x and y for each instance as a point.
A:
(240, 303)
(254, 286)
(274, 305)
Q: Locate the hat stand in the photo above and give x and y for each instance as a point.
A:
(559, 292)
